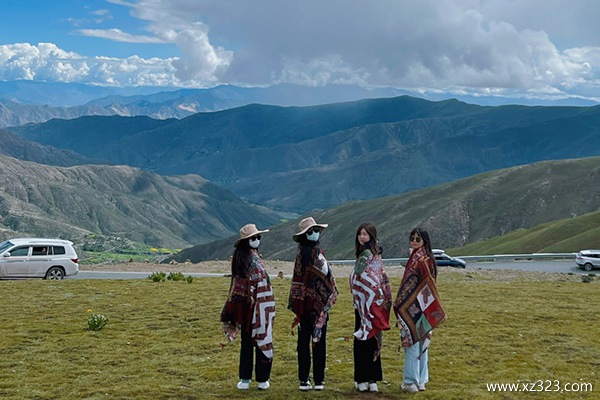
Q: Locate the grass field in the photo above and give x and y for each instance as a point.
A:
(163, 340)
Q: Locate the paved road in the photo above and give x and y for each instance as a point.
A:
(563, 266)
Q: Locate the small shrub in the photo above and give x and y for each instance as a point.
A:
(175, 276)
(157, 277)
(96, 322)
(587, 278)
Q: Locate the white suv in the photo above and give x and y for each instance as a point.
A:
(37, 258)
(588, 259)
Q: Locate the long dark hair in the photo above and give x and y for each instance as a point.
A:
(371, 244)
(426, 244)
(308, 251)
(241, 259)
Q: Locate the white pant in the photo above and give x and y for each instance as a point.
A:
(415, 371)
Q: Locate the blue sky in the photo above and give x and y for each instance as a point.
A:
(530, 48)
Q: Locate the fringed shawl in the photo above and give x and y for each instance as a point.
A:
(251, 303)
(312, 292)
(372, 295)
(417, 304)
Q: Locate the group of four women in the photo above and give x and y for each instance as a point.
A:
(250, 307)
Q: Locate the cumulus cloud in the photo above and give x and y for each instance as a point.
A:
(465, 46)
(46, 62)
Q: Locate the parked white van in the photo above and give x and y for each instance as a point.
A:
(37, 258)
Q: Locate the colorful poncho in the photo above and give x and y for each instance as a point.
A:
(372, 295)
(417, 304)
(251, 304)
(312, 293)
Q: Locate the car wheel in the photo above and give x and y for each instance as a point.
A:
(55, 274)
(588, 267)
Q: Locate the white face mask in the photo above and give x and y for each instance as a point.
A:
(313, 237)
(254, 243)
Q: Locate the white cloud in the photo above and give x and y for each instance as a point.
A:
(49, 63)
(119, 36)
(466, 46)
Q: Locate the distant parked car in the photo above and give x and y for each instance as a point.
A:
(588, 259)
(37, 258)
(444, 260)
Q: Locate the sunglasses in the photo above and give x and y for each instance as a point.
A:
(311, 230)
(257, 237)
(415, 239)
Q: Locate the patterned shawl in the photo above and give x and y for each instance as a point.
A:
(417, 304)
(251, 303)
(372, 295)
(312, 293)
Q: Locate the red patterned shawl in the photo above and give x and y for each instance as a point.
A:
(313, 292)
(372, 295)
(417, 304)
(251, 303)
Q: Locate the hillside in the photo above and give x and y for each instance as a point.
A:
(277, 156)
(456, 214)
(162, 211)
(563, 235)
(27, 150)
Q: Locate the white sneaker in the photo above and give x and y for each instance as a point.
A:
(363, 387)
(243, 384)
(410, 387)
(421, 387)
(305, 385)
(264, 385)
(373, 387)
(319, 387)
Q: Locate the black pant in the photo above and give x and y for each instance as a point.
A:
(319, 350)
(365, 369)
(263, 364)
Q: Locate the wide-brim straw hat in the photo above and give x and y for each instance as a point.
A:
(305, 225)
(247, 231)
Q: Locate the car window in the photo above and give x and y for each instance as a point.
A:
(20, 251)
(39, 251)
(5, 245)
(59, 250)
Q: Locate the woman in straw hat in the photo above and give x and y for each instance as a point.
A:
(313, 291)
(372, 298)
(250, 309)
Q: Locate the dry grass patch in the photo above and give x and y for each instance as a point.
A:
(163, 340)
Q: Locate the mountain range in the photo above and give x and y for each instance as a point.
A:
(398, 162)
(281, 156)
(465, 212)
(23, 102)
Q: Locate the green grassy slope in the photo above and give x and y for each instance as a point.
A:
(562, 236)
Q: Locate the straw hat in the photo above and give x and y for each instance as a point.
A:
(248, 231)
(305, 225)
